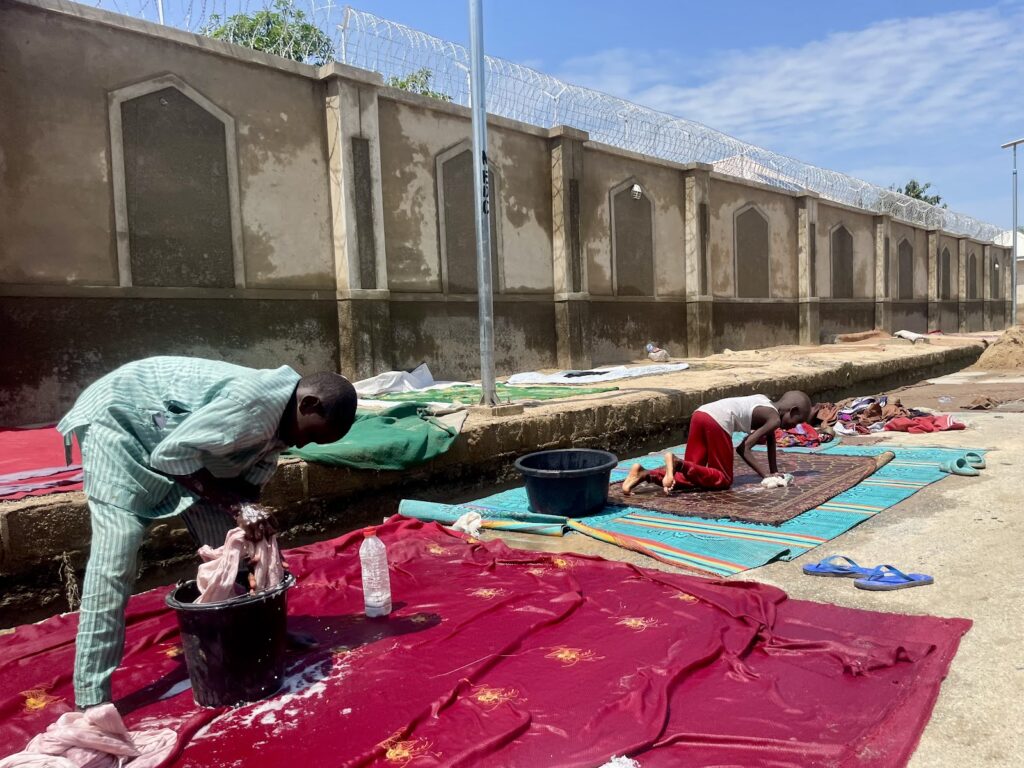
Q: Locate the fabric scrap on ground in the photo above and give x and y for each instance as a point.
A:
(95, 738)
(983, 403)
(818, 477)
(400, 437)
(504, 657)
(32, 464)
(596, 376)
(721, 547)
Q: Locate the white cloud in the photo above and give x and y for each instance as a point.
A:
(909, 77)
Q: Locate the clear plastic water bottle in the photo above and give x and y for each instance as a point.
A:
(373, 557)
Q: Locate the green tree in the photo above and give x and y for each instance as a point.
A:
(282, 30)
(418, 82)
(920, 192)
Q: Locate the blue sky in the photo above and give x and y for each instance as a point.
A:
(880, 90)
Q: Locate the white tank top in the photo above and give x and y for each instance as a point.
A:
(733, 414)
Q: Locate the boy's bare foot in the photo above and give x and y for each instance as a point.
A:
(637, 474)
(669, 483)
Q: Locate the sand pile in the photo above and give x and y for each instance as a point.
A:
(1006, 352)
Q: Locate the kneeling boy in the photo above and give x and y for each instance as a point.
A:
(708, 461)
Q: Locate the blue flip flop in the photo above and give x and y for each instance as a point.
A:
(959, 467)
(837, 566)
(885, 578)
(975, 459)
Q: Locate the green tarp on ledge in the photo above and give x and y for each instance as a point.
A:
(396, 438)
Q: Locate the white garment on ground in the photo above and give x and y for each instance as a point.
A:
(600, 376)
(216, 578)
(468, 523)
(420, 379)
(659, 355)
(96, 738)
(910, 336)
(777, 481)
(734, 414)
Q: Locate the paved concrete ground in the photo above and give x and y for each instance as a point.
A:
(967, 533)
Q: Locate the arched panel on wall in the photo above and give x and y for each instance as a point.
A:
(905, 269)
(752, 268)
(945, 276)
(456, 207)
(175, 177)
(972, 275)
(632, 235)
(841, 257)
(994, 287)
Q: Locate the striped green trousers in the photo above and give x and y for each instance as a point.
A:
(110, 576)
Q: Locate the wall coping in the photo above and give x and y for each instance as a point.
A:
(609, 149)
(725, 177)
(172, 34)
(457, 110)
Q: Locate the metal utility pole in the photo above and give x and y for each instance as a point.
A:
(482, 198)
(1014, 235)
(160, 10)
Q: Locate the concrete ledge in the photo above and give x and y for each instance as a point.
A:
(314, 501)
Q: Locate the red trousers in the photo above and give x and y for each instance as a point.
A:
(708, 461)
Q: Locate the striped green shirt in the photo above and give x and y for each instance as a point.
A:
(177, 415)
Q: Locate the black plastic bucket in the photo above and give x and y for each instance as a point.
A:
(234, 649)
(572, 482)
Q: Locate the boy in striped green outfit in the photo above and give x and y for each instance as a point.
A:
(176, 435)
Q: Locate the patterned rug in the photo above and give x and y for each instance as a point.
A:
(818, 478)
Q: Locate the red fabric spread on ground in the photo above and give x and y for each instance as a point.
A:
(36, 457)
(920, 425)
(495, 656)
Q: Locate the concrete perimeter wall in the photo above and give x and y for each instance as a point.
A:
(161, 192)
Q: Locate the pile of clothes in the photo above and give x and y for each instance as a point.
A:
(866, 415)
(802, 436)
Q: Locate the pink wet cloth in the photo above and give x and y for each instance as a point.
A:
(267, 569)
(216, 576)
(95, 738)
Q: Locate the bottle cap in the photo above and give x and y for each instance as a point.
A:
(368, 532)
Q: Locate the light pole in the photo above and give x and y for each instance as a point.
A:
(482, 198)
(1013, 234)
